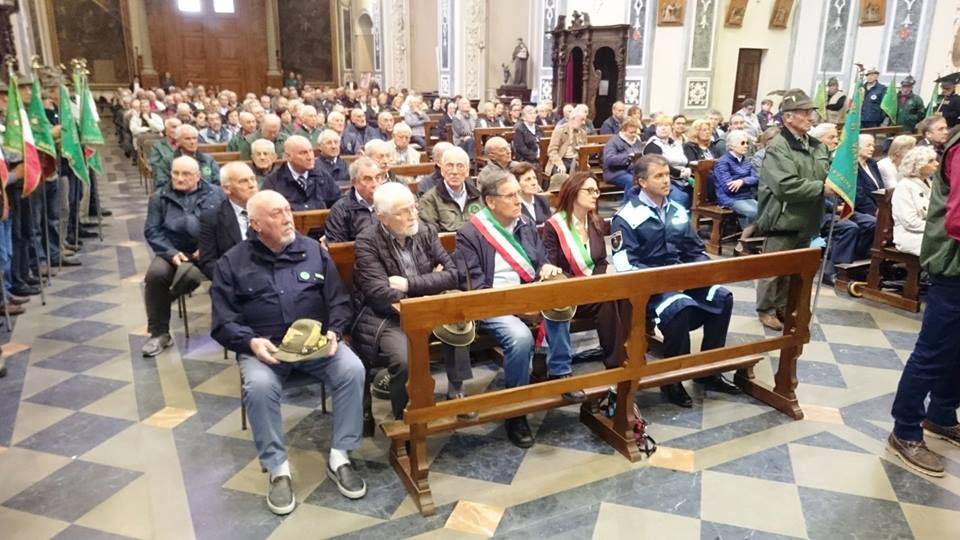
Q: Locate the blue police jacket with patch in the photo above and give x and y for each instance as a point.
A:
(642, 239)
(259, 293)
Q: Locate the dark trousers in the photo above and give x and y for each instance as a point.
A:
(934, 366)
(47, 196)
(676, 331)
(393, 348)
(94, 195)
(21, 218)
(612, 322)
(75, 193)
(157, 297)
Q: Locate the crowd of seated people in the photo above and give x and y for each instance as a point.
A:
(308, 149)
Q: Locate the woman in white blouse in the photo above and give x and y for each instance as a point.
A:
(899, 147)
(911, 198)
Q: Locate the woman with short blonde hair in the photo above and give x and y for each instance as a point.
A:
(889, 166)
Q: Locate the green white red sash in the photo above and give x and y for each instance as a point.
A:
(505, 244)
(577, 255)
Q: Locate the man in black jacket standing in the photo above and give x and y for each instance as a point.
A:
(225, 226)
(400, 257)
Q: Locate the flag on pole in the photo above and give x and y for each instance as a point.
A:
(4, 176)
(18, 138)
(932, 106)
(890, 105)
(842, 177)
(89, 126)
(820, 100)
(40, 124)
(70, 138)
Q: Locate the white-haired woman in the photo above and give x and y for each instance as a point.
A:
(911, 198)
(890, 165)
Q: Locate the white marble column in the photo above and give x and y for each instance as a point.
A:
(273, 70)
(470, 48)
(396, 43)
(140, 38)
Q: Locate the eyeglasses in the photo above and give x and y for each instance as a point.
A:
(591, 190)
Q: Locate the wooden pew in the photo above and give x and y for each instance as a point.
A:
(883, 250)
(225, 157)
(704, 205)
(425, 417)
(212, 148)
(310, 220)
(590, 158)
(414, 170)
(544, 143)
(480, 135)
(598, 138)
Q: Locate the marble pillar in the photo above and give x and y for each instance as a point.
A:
(445, 48)
(140, 37)
(274, 77)
(396, 39)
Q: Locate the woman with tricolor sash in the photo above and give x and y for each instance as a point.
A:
(574, 241)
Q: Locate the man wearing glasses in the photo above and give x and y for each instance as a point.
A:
(447, 206)
(498, 247)
(790, 197)
(354, 211)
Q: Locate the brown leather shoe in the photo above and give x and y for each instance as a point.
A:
(18, 299)
(14, 309)
(916, 455)
(950, 434)
(771, 321)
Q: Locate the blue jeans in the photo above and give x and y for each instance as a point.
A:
(263, 389)
(517, 342)
(934, 366)
(746, 209)
(625, 181)
(560, 352)
(6, 254)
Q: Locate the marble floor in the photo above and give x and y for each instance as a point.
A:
(97, 442)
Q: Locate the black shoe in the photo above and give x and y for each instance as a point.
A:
(27, 290)
(829, 280)
(380, 388)
(106, 213)
(349, 483)
(677, 395)
(717, 383)
(84, 233)
(575, 396)
(518, 431)
(32, 281)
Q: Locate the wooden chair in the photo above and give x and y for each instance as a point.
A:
(704, 206)
(882, 251)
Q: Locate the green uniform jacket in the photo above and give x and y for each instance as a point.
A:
(239, 144)
(313, 136)
(440, 210)
(160, 157)
(790, 196)
(911, 112)
(940, 253)
(209, 170)
(245, 153)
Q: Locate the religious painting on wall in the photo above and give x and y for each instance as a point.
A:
(781, 13)
(306, 27)
(91, 30)
(670, 12)
(735, 12)
(872, 12)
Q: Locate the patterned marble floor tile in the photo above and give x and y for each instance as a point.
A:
(828, 515)
(867, 356)
(19, 525)
(76, 392)
(825, 439)
(85, 274)
(71, 491)
(844, 472)
(79, 358)
(75, 434)
(820, 373)
(710, 530)
(82, 309)
(564, 429)
(728, 432)
(576, 522)
(77, 532)
(844, 317)
(617, 521)
(83, 290)
(199, 371)
(927, 522)
(903, 341)
(408, 526)
(910, 487)
(385, 492)
(771, 464)
(490, 458)
(80, 331)
(657, 410)
(752, 503)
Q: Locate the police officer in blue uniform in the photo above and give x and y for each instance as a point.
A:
(871, 115)
(652, 231)
(260, 287)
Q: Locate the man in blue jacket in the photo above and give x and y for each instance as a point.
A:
(173, 230)
(651, 231)
(260, 288)
(356, 134)
(871, 115)
(498, 247)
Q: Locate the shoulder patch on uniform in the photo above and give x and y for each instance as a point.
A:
(634, 215)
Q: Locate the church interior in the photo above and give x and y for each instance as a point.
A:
(480, 269)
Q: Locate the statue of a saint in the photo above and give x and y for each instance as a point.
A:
(520, 56)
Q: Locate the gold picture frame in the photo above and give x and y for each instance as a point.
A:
(671, 12)
(873, 12)
(736, 10)
(781, 14)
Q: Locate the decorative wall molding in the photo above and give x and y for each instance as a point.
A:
(697, 93)
(445, 31)
(702, 41)
(546, 88)
(908, 32)
(476, 20)
(376, 13)
(400, 29)
(633, 91)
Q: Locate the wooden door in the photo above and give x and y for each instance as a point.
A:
(748, 76)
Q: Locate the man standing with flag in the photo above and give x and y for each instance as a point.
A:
(873, 91)
(910, 109)
(790, 197)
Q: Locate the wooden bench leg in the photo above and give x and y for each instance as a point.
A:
(412, 467)
(369, 423)
(782, 396)
(616, 431)
(713, 244)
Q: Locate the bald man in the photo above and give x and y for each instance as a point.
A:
(172, 230)
(499, 156)
(299, 181)
(188, 144)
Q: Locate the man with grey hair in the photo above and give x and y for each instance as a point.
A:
(499, 157)
(356, 134)
(427, 181)
(399, 258)
(226, 225)
(161, 153)
(354, 211)
(449, 204)
(526, 136)
(384, 129)
(270, 129)
(329, 162)
(304, 187)
(309, 124)
(611, 125)
(380, 151)
(275, 287)
(402, 152)
(188, 144)
(248, 126)
(172, 230)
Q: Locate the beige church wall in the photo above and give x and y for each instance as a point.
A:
(423, 45)
(666, 89)
(507, 20)
(939, 49)
(803, 68)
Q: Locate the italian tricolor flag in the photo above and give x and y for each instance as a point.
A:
(18, 138)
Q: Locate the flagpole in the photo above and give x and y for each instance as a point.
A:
(45, 223)
(826, 253)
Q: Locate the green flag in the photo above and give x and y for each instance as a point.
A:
(842, 177)
(42, 131)
(89, 126)
(70, 138)
(889, 105)
(932, 106)
(820, 100)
